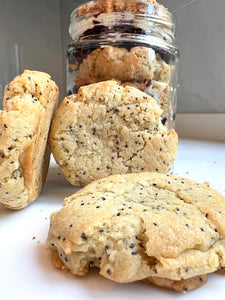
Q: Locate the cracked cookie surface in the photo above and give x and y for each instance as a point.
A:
(163, 229)
(29, 102)
(108, 129)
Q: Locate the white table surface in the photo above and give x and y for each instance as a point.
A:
(27, 273)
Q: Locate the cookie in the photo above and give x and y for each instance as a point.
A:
(160, 91)
(28, 106)
(140, 67)
(139, 64)
(165, 230)
(109, 129)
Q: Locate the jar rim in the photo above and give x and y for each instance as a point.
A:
(92, 8)
(152, 20)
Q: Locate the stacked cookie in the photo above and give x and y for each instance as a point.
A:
(138, 66)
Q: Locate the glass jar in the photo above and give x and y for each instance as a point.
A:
(131, 41)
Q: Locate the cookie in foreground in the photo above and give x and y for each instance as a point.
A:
(157, 228)
(28, 106)
(108, 129)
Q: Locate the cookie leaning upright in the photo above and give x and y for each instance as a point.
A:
(28, 106)
(109, 129)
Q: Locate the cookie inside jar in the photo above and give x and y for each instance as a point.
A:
(129, 41)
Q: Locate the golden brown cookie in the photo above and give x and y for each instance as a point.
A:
(29, 102)
(109, 129)
(140, 67)
(139, 64)
(163, 229)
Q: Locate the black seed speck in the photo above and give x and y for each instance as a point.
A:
(83, 236)
(164, 120)
(131, 245)
(109, 272)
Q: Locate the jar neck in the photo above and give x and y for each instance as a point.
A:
(150, 24)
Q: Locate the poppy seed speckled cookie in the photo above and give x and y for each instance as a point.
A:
(163, 229)
(140, 67)
(109, 129)
(29, 103)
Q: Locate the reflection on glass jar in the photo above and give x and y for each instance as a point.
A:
(130, 41)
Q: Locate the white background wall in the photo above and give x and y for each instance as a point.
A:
(41, 27)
